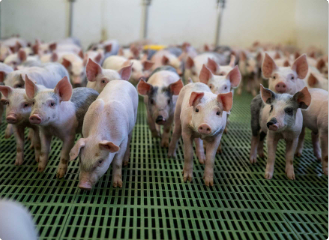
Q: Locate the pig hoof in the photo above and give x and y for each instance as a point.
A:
(171, 153)
(225, 130)
(261, 155)
(268, 175)
(31, 146)
(165, 143)
(41, 168)
(18, 162)
(202, 160)
(209, 181)
(7, 135)
(61, 172)
(117, 182)
(291, 175)
(219, 150)
(253, 160)
(125, 163)
(188, 175)
(239, 92)
(155, 135)
(325, 171)
(298, 154)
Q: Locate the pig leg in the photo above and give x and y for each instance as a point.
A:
(166, 132)
(174, 140)
(260, 148)
(127, 154)
(65, 155)
(30, 137)
(188, 156)
(151, 123)
(210, 159)
(291, 146)
(117, 164)
(8, 131)
(19, 135)
(45, 138)
(36, 144)
(316, 146)
(253, 86)
(272, 144)
(324, 149)
(1, 111)
(253, 150)
(239, 91)
(299, 149)
(199, 150)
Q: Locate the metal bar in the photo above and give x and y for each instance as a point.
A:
(70, 17)
(220, 8)
(145, 5)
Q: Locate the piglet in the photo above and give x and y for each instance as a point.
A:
(17, 114)
(280, 118)
(140, 69)
(58, 112)
(107, 131)
(165, 57)
(74, 65)
(99, 77)
(16, 223)
(200, 114)
(160, 96)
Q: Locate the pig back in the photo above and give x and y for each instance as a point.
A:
(82, 97)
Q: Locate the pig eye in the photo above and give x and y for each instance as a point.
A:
(218, 113)
(197, 110)
(26, 105)
(133, 70)
(221, 74)
(271, 108)
(100, 162)
(210, 87)
(274, 77)
(225, 87)
(103, 81)
(51, 104)
(168, 101)
(152, 101)
(33, 103)
(292, 78)
(19, 86)
(289, 111)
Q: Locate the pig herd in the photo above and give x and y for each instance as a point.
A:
(57, 90)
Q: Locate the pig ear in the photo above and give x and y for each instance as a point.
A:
(176, 87)
(227, 101)
(74, 153)
(66, 63)
(303, 98)
(268, 66)
(2, 76)
(18, 45)
(54, 58)
(98, 58)
(297, 55)
(81, 54)
(234, 76)
(286, 63)
(92, 70)
(52, 46)
(277, 55)
(125, 72)
(144, 88)
(120, 52)
(243, 56)
(267, 95)
(35, 49)
(109, 146)
(64, 89)
(312, 81)
(6, 91)
(206, 48)
(320, 64)
(165, 60)
(232, 61)
(30, 88)
(195, 97)
(312, 55)
(189, 63)
(147, 65)
(205, 74)
(22, 55)
(212, 66)
(300, 66)
(12, 49)
(108, 48)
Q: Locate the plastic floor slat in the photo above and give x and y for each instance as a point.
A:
(155, 203)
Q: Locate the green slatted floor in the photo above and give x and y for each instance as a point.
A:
(154, 203)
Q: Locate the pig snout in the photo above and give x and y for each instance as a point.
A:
(85, 186)
(160, 120)
(281, 87)
(12, 118)
(273, 124)
(35, 119)
(204, 129)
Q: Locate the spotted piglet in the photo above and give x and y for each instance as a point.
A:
(58, 112)
(280, 118)
(200, 114)
(160, 96)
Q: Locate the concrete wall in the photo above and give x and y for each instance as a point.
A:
(171, 21)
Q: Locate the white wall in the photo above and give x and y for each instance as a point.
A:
(171, 21)
(312, 23)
